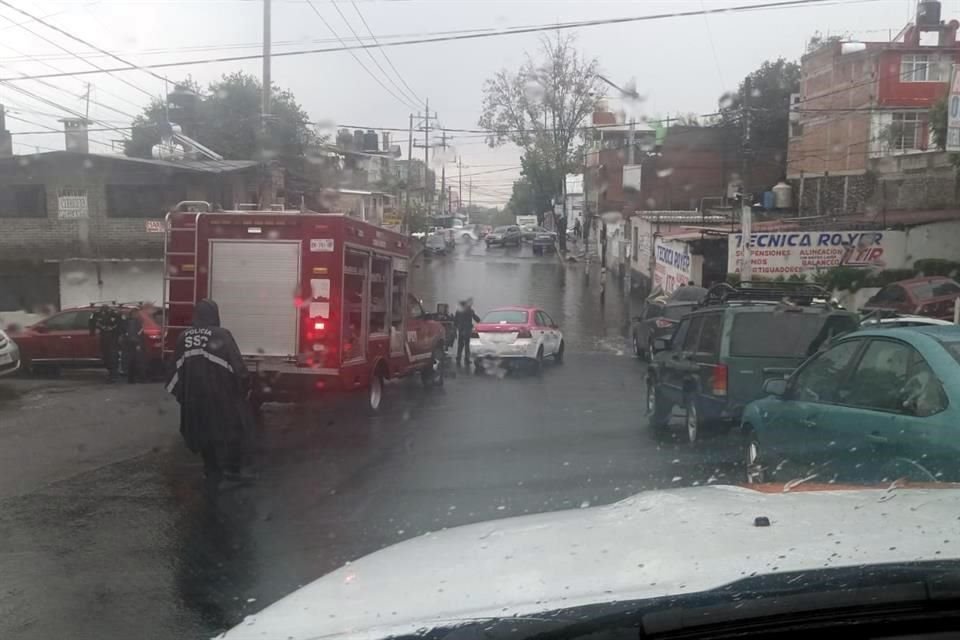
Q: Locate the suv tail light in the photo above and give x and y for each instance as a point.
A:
(663, 323)
(152, 332)
(524, 333)
(719, 380)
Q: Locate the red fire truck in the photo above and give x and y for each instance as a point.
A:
(316, 302)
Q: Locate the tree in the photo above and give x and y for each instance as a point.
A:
(226, 118)
(764, 98)
(541, 108)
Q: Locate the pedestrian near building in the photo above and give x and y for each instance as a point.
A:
(210, 381)
(106, 323)
(463, 320)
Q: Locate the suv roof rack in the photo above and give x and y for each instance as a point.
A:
(794, 293)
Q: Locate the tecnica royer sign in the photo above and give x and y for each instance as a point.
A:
(786, 253)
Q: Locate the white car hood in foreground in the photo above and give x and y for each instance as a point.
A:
(653, 544)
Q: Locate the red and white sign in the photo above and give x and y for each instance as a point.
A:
(786, 253)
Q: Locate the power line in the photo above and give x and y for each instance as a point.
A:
(403, 101)
(414, 100)
(382, 52)
(64, 49)
(489, 33)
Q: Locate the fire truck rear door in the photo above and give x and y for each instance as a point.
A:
(254, 284)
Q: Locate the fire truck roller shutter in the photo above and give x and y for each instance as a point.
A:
(255, 283)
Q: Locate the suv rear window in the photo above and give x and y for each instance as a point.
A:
(783, 334)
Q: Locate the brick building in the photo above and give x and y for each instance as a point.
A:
(77, 227)
(861, 104)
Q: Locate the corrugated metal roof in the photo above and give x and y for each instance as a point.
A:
(203, 166)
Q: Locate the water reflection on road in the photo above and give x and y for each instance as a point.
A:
(508, 276)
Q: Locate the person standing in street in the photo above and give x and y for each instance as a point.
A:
(577, 229)
(210, 381)
(463, 321)
(106, 323)
(132, 346)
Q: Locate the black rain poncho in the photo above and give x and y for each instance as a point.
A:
(210, 383)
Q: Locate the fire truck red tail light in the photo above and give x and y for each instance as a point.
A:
(319, 326)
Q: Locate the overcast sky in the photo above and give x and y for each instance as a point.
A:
(681, 64)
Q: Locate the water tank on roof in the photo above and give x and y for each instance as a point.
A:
(371, 141)
(928, 13)
(782, 195)
(358, 139)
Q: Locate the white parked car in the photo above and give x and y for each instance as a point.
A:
(525, 333)
(9, 355)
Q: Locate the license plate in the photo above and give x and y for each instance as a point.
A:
(5, 358)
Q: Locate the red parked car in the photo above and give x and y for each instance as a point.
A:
(64, 340)
(932, 297)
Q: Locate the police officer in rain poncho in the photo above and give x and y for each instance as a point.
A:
(210, 382)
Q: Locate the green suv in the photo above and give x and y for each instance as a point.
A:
(721, 353)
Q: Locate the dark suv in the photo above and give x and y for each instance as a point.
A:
(721, 353)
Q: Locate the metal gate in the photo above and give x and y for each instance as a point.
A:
(254, 282)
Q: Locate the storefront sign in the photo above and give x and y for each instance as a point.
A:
(674, 265)
(953, 112)
(786, 253)
(72, 204)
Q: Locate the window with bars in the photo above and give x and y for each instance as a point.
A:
(906, 131)
(920, 67)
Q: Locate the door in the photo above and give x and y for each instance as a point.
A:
(553, 330)
(541, 332)
(706, 356)
(893, 397)
(66, 338)
(253, 283)
(799, 434)
(677, 364)
(418, 340)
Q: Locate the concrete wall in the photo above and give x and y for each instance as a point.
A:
(937, 240)
(82, 282)
(99, 235)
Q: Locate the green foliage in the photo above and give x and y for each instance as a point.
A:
(541, 108)
(227, 119)
(766, 95)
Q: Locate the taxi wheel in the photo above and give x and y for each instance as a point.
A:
(538, 361)
(637, 349)
(657, 417)
(558, 357)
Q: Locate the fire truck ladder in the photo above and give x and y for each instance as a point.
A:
(186, 234)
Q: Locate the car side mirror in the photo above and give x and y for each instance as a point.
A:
(661, 344)
(775, 387)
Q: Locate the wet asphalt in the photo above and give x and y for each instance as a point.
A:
(107, 529)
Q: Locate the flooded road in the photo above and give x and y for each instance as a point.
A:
(107, 530)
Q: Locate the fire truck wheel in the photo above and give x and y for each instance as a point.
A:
(433, 373)
(375, 392)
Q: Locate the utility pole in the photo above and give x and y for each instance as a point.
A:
(746, 211)
(266, 182)
(443, 171)
(424, 125)
(86, 110)
(470, 195)
(265, 106)
(460, 182)
(406, 213)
